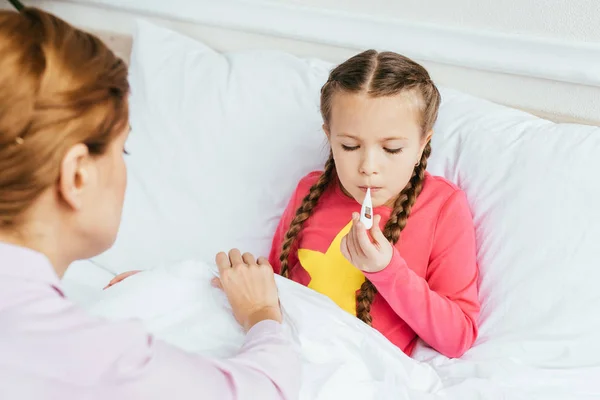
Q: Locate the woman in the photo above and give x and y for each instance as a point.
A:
(63, 125)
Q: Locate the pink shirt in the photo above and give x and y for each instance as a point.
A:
(50, 349)
(429, 289)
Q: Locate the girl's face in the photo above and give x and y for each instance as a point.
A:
(376, 142)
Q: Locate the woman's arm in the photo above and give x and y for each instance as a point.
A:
(266, 367)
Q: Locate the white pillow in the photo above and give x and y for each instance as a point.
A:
(218, 144)
(533, 188)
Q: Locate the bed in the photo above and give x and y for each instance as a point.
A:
(225, 121)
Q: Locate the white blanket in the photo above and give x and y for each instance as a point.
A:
(342, 357)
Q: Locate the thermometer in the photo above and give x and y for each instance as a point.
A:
(366, 211)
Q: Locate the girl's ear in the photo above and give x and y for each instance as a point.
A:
(426, 140)
(326, 130)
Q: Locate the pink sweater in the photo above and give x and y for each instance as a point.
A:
(429, 289)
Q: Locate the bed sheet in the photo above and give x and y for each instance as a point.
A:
(475, 377)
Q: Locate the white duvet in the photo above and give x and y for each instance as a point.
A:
(343, 358)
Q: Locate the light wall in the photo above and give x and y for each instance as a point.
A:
(560, 19)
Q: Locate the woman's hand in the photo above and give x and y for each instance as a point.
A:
(249, 286)
(120, 277)
(369, 254)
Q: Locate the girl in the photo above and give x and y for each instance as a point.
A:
(414, 274)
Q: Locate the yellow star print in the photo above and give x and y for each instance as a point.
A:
(332, 274)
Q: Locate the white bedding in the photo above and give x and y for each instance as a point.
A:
(343, 358)
(202, 118)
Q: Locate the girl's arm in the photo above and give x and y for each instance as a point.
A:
(443, 309)
(279, 236)
(295, 201)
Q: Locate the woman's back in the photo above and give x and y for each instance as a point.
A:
(51, 349)
(63, 127)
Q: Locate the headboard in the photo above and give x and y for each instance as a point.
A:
(553, 79)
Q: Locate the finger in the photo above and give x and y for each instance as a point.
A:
(119, 278)
(344, 248)
(263, 261)
(351, 245)
(249, 259)
(376, 232)
(114, 280)
(216, 282)
(235, 256)
(357, 228)
(365, 244)
(223, 262)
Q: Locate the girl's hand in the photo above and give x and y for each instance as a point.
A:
(250, 288)
(120, 277)
(369, 254)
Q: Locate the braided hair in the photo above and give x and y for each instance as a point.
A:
(377, 74)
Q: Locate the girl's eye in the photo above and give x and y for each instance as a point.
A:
(394, 151)
(125, 152)
(349, 148)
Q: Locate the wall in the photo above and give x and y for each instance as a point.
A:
(561, 19)
(577, 20)
(541, 56)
